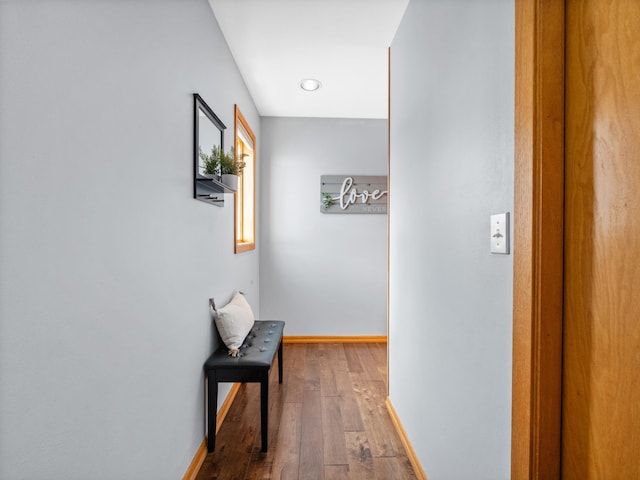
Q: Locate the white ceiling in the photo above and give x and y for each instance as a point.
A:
(342, 43)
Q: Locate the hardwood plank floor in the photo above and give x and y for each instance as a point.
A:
(327, 421)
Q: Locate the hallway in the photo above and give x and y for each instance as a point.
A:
(328, 420)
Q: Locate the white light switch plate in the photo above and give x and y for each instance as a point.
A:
(500, 233)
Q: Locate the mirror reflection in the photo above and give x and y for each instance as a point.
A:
(208, 141)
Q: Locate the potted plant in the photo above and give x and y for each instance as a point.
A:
(230, 168)
(210, 163)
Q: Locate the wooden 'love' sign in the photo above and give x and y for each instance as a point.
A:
(353, 194)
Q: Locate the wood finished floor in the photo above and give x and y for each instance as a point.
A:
(327, 420)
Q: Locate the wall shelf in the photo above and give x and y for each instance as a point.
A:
(210, 190)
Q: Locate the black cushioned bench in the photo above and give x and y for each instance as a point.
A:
(252, 365)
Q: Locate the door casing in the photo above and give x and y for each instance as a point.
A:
(538, 239)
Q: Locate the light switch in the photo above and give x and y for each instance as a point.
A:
(500, 233)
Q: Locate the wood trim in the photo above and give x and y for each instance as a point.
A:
(244, 246)
(201, 453)
(333, 339)
(411, 454)
(388, 198)
(196, 463)
(538, 240)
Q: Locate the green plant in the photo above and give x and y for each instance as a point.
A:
(327, 200)
(229, 165)
(210, 163)
(220, 162)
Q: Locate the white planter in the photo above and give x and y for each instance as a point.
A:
(231, 181)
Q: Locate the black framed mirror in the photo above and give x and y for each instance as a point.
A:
(208, 135)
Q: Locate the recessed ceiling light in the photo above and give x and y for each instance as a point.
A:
(310, 84)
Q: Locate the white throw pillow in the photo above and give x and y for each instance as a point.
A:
(234, 321)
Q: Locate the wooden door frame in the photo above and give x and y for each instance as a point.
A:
(538, 239)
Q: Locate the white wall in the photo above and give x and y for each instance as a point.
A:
(324, 274)
(452, 76)
(106, 260)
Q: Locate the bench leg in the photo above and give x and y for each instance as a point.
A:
(280, 362)
(212, 413)
(264, 409)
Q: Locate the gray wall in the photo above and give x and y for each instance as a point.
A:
(324, 274)
(452, 65)
(106, 261)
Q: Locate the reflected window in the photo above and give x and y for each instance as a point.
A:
(245, 214)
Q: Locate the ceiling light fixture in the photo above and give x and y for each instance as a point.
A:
(310, 84)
